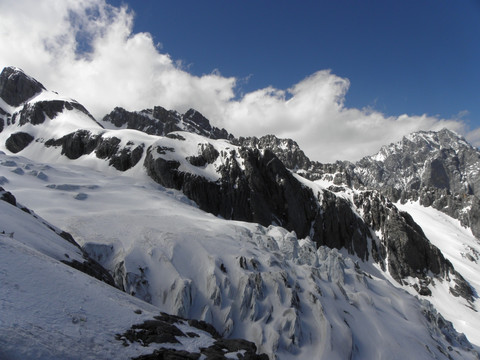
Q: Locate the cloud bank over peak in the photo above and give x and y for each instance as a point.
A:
(86, 49)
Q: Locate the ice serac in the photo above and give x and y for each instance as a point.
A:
(16, 87)
(159, 121)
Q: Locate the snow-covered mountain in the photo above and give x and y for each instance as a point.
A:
(305, 260)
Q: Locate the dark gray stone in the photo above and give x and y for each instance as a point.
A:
(163, 329)
(81, 196)
(18, 141)
(126, 158)
(337, 226)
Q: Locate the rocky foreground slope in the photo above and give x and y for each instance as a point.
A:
(298, 255)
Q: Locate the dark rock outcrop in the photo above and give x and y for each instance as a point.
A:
(18, 141)
(76, 144)
(7, 197)
(156, 121)
(337, 226)
(208, 155)
(16, 87)
(83, 142)
(37, 112)
(289, 152)
(286, 150)
(164, 329)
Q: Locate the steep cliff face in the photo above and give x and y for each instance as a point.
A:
(251, 186)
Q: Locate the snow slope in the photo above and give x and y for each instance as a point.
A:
(262, 284)
(460, 247)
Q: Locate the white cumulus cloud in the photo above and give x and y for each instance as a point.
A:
(86, 49)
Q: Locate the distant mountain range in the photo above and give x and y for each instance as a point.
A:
(234, 238)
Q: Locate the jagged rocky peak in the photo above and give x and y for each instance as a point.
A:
(160, 121)
(16, 87)
(422, 144)
(287, 150)
(439, 169)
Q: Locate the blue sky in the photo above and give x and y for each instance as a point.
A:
(406, 56)
(342, 78)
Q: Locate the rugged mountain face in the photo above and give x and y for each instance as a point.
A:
(439, 169)
(159, 121)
